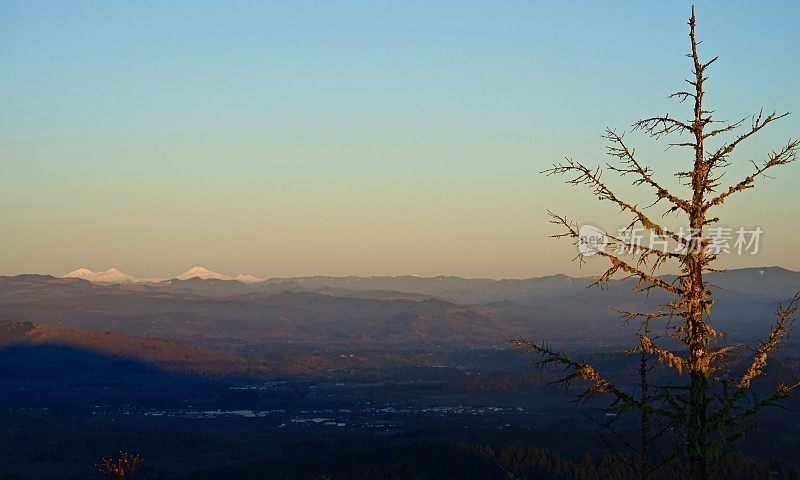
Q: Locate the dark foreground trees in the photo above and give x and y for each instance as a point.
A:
(707, 404)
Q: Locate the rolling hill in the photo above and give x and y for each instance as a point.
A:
(165, 355)
(231, 315)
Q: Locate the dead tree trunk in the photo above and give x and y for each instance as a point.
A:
(713, 407)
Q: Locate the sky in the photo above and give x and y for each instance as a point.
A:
(360, 138)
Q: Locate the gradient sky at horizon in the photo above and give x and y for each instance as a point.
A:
(359, 138)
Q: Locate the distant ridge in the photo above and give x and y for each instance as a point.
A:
(754, 282)
(389, 310)
(115, 276)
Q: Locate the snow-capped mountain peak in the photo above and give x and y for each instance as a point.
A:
(244, 278)
(112, 275)
(202, 272)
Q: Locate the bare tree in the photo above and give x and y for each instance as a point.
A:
(128, 466)
(712, 406)
(125, 467)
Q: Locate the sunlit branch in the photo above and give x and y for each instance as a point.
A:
(758, 124)
(784, 156)
(644, 174)
(786, 319)
(617, 264)
(586, 176)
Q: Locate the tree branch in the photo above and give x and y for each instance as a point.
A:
(617, 263)
(644, 174)
(586, 176)
(758, 124)
(782, 328)
(784, 156)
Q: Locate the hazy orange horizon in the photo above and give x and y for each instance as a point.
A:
(390, 141)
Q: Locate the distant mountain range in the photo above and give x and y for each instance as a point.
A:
(231, 315)
(758, 283)
(114, 276)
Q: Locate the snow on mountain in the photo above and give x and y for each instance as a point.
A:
(112, 275)
(203, 273)
(244, 278)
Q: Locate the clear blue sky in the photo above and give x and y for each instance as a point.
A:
(294, 138)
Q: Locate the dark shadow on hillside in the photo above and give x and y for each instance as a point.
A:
(65, 380)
